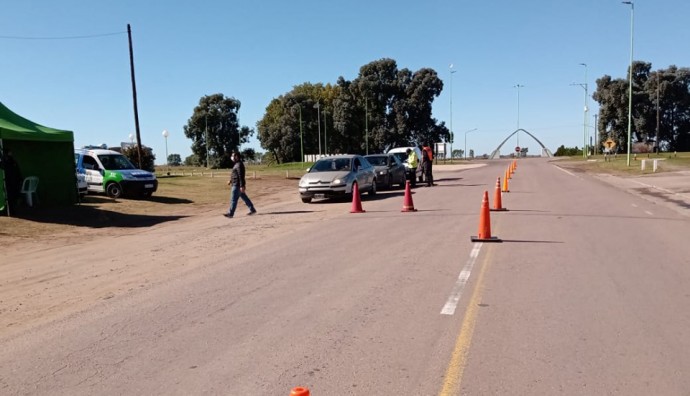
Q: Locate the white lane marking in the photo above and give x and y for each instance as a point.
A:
(454, 298)
(634, 205)
(653, 186)
(649, 213)
(568, 172)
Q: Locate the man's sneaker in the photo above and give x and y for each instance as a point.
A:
(228, 215)
(251, 212)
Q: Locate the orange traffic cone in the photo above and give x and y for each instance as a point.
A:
(299, 391)
(408, 206)
(497, 197)
(505, 184)
(509, 175)
(356, 202)
(484, 223)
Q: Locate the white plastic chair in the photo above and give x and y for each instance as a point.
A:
(29, 188)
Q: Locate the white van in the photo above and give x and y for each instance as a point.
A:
(401, 153)
(110, 172)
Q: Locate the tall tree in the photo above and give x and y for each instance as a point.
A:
(382, 108)
(672, 86)
(215, 130)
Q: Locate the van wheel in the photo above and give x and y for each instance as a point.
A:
(114, 190)
(306, 199)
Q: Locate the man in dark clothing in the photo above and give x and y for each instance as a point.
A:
(238, 186)
(13, 180)
(427, 162)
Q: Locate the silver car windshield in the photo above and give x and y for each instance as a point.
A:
(401, 156)
(331, 165)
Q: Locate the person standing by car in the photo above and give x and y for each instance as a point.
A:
(13, 180)
(427, 161)
(411, 167)
(238, 187)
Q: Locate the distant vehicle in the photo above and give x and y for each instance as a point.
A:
(389, 169)
(401, 153)
(110, 172)
(334, 176)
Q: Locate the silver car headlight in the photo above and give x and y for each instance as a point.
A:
(383, 172)
(337, 182)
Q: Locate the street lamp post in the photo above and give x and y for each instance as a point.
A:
(206, 136)
(466, 132)
(366, 124)
(585, 150)
(518, 86)
(325, 132)
(301, 134)
(165, 135)
(451, 112)
(632, 30)
(317, 106)
(596, 133)
(585, 86)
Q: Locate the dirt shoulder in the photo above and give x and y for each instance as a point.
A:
(57, 262)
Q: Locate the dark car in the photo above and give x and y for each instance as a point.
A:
(389, 169)
(334, 177)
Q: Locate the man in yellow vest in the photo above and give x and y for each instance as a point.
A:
(411, 167)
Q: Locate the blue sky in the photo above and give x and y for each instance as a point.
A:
(257, 50)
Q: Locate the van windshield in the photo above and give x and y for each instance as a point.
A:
(115, 162)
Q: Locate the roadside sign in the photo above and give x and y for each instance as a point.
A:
(609, 144)
(517, 149)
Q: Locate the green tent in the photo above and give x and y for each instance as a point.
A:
(39, 151)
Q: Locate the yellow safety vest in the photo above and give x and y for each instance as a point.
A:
(412, 159)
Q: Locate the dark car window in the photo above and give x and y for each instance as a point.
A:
(357, 163)
(115, 162)
(379, 160)
(89, 163)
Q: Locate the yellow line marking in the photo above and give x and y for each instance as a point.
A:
(458, 361)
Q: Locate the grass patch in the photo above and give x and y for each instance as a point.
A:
(618, 165)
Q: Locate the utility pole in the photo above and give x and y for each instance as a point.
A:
(658, 85)
(134, 94)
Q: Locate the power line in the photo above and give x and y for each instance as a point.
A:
(61, 38)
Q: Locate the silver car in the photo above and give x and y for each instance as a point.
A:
(334, 176)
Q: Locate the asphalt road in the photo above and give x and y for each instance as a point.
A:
(587, 294)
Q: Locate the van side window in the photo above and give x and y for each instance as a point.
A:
(89, 163)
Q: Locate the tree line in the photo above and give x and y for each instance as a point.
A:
(382, 108)
(660, 97)
(385, 107)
